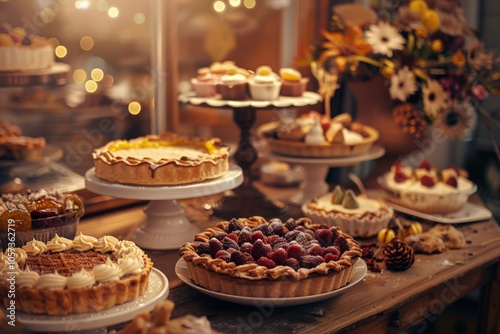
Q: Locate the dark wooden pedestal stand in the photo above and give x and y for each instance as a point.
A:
(246, 200)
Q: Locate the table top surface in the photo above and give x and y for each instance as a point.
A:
(375, 294)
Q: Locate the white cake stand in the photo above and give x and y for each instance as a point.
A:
(166, 225)
(316, 170)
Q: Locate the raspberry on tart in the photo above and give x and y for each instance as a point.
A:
(282, 260)
(164, 159)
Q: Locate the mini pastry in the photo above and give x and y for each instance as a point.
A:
(265, 85)
(293, 84)
(233, 85)
(451, 236)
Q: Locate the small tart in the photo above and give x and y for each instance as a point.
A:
(165, 159)
(363, 221)
(44, 277)
(302, 272)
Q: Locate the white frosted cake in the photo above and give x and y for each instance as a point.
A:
(21, 52)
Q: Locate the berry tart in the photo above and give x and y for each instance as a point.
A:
(426, 188)
(313, 135)
(20, 51)
(253, 257)
(165, 159)
(359, 216)
(80, 275)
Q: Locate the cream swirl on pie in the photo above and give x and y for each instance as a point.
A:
(84, 275)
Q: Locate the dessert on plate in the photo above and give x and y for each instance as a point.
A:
(253, 257)
(265, 85)
(68, 276)
(159, 320)
(38, 214)
(293, 83)
(357, 215)
(20, 51)
(15, 146)
(427, 188)
(164, 159)
(313, 135)
(205, 83)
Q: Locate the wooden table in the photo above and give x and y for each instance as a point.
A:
(386, 302)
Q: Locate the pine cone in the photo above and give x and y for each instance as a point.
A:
(398, 255)
(409, 119)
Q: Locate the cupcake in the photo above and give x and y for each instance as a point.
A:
(293, 84)
(233, 85)
(265, 85)
(358, 216)
(204, 84)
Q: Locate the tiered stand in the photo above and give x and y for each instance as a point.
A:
(166, 225)
(246, 200)
(56, 75)
(316, 170)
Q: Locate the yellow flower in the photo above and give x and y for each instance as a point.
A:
(422, 32)
(458, 59)
(431, 20)
(418, 6)
(437, 45)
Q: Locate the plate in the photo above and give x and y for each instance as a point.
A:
(157, 291)
(182, 272)
(469, 213)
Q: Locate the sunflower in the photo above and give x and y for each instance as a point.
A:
(435, 98)
(384, 38)
(403, 84)
(457, 121)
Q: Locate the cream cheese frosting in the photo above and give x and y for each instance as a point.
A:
(80, 280)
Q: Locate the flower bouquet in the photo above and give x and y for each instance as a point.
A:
(437, 71)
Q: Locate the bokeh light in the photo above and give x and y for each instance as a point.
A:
(79, 76)
(219, 6)
(134, 108)
(235, 3)
(113, 12)
(61, 51)
(139, 18)
(86, 43)
(97, 74)
(249, 4)
(91, 86)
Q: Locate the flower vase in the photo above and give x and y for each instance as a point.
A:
(374, 108)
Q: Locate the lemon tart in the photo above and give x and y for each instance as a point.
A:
(164, 159)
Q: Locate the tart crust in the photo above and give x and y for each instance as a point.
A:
(92, 299)
(253, 280)
(326, 150)
(362, 225)
(163, 169)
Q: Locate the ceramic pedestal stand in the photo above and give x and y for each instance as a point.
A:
(247, 200)
(316, 170)
(166, 225)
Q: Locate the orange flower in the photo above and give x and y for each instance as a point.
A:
(350, 42)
